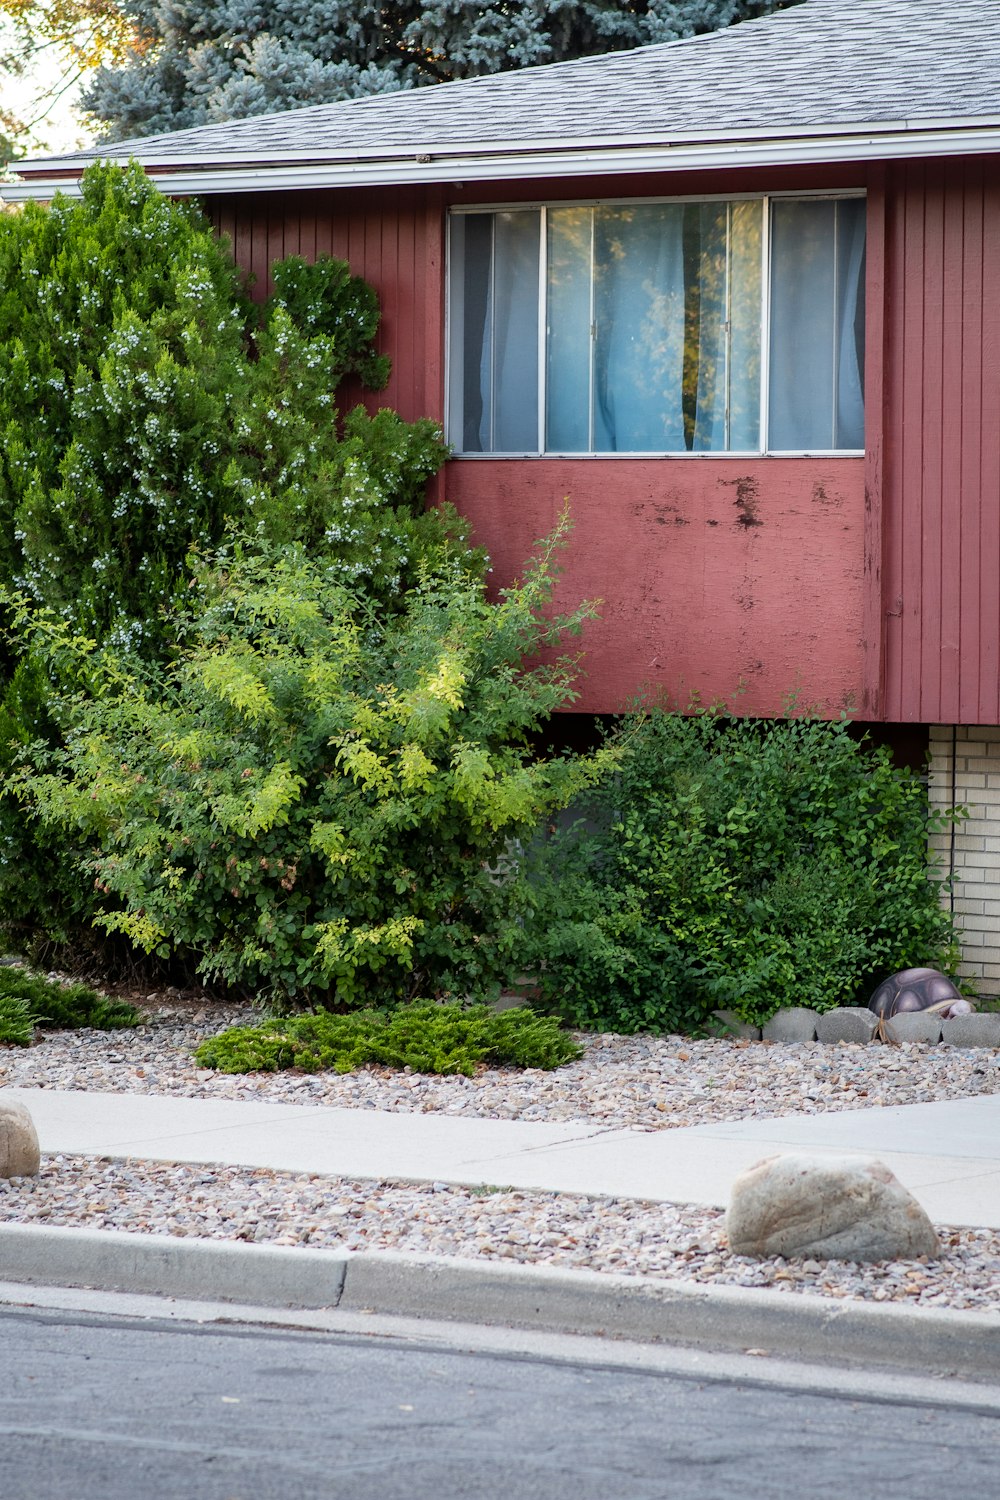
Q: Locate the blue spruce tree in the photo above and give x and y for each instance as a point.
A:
(198, 62)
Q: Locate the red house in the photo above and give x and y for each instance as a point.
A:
(738, 299)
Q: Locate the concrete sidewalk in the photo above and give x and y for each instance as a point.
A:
(947, 1154)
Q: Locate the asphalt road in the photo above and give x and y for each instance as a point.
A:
(103, 1408)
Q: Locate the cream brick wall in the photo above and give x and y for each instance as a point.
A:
(965, 772)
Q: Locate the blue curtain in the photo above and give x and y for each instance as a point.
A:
(639, 329)
(495, 312)
(817, 325)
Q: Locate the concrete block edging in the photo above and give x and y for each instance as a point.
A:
(540, 1298)
(855, 1023)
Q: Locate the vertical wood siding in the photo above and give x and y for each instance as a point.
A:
(394, 238)
(873, 614)
(941, 459)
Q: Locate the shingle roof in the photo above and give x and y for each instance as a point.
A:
(820, 66)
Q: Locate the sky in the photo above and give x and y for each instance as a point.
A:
(61, 130)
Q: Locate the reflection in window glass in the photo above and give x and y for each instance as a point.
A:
(746, 222)
(495, 332)
(652, 337)
(706, 351)
(568, 395)
(817, 325)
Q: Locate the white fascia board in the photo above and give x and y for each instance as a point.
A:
(231, 160)
(526, 163)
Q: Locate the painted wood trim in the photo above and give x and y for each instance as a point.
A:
(963, 397)
(941, 454)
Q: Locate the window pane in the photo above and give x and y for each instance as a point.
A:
(568, 351)
(803, 279)
(850, 426)
(705, 297)
(494, 339)
(639, 317)
(471, 344)
(745, 290)
(817, 292)
(515, 332)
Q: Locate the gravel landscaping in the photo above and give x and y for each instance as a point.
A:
(648, 1083)
(558, 1229)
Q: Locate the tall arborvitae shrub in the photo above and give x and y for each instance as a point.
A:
(146, 406)
(141, 405)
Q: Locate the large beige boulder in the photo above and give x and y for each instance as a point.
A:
(19, 1154)
(827, 1207)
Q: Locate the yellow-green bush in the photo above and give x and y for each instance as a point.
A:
(314, 796)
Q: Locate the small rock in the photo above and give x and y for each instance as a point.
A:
(795, 1024)
(834, 1208)
(19, 1154)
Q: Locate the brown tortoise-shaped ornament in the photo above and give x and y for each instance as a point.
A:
(918, 989)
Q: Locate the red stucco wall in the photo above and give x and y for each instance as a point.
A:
(737, 580)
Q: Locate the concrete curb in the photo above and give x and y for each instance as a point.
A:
(114, 1260)
(539, 1298)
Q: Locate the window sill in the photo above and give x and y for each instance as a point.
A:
(742, 458)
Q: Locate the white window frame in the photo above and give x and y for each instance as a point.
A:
(541, 206)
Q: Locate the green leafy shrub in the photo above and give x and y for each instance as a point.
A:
(741, 864)
(324, 298)
(144, 402)
(316, 797)
(429, 1038)
(63, 1007)
(145, 409)
(42, 899)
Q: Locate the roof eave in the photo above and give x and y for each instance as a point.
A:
(150, 148)
(488, 163)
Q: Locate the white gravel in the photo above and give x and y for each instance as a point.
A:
(651, 1083)
(558, 1229)
(646, 1082)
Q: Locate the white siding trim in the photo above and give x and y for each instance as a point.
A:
(274, 172)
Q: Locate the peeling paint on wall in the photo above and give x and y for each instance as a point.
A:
(747, 501)
(724, 608)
